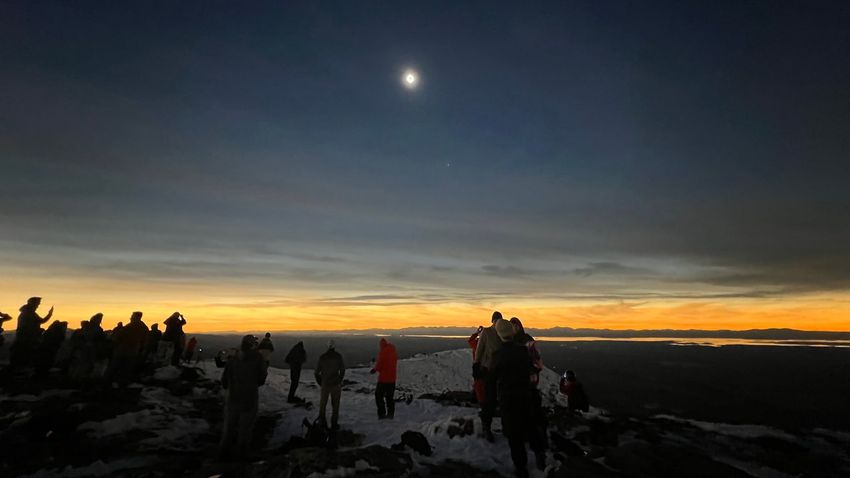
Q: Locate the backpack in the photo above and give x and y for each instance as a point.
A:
(317, 435)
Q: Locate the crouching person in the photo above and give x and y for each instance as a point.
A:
(243, 375)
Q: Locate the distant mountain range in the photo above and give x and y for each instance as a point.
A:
(767, 334)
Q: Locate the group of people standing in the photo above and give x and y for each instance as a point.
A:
(91, 353)
(506, 370)
(247, 370)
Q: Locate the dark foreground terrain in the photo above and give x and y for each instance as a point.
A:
(782, 386)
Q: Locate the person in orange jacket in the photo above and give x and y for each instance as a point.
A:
(385, 389)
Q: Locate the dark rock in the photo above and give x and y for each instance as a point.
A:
(454, 469)
(565, 445)
(192, 374)
(455, 398)
(417, 442)
(581, 467)
(461, 427)
(382, 461)
(641, 459)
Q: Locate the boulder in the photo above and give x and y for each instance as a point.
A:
(378, 461)
(417, 442)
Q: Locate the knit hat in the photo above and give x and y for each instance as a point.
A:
(248, 342)
(505, 330)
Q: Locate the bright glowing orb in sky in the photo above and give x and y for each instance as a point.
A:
(410, 79)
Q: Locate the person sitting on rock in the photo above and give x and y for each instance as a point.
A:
(329, 373)
(28, 333)
(511, 368)
(266, 347)
(574, 390)
(295, 358)
(241, 379)
(385, 389)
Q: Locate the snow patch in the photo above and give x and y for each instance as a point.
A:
(97, 468)
(359, 467)
(738, 431)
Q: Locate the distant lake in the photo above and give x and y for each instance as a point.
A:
(679, 341)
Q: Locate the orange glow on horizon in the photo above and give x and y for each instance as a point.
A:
(206, 312)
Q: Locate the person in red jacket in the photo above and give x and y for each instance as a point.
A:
(386, 369)
(573, 389)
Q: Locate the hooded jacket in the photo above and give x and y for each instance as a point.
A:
(296, 356)
(387, 363)
(242, 375)
(488, 344)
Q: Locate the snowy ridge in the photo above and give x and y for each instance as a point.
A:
(424, 373)
(181, 418)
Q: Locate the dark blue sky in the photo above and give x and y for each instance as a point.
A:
(609, 149)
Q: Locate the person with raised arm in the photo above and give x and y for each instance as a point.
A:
(28, 333)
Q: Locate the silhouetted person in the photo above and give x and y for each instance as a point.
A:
(526, 340)
(3, 318)
(81, 360)
(329, 373)
(266, 347)
(90, 350)
(129, 346)
(488, 345)
(154, 336)
(512, 366)
(539, 420)
(477, 382)
(118, 327)
(100, 343)
(242, 376)
(174, 335)
(295, 358)
(28, 333)
(385, 389)
(191, 347)
(51, 340)
(574, 390)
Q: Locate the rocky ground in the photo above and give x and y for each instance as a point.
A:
(169, 424)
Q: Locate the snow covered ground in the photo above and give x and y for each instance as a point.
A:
(433, 373)
(172, 419)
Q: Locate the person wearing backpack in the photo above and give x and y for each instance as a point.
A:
(295, 358)
(242, 377)
(329, 373)
(512, 366)
(485, 351)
